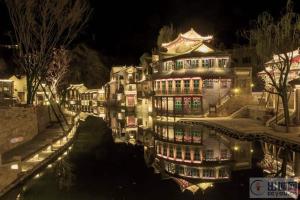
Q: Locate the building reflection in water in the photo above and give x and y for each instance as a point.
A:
(193, 156)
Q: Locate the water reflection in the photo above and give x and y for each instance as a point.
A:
(140, 157)
(193, 156)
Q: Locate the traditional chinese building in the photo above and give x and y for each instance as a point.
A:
(198, 154)
(122, 88)
(73, 98)
(272, 67)
(190, 76)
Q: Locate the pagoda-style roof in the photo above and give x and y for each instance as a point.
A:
(186, 43)
(293, 55)
(188, 73)
(195, 54)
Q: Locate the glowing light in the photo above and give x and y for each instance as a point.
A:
(37, 176)
(252, 85)
(236, 90)
(14, 167)
(49, 166)
(236, 148)
(251, 150)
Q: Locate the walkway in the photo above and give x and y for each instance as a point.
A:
(26, 154)
(248, 129)
(40, 141)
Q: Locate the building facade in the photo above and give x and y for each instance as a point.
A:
(73, 98)
(190, 75)
(198, 154)
(122, 88)
(272, 66)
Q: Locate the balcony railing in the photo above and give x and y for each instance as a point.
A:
(178, 91)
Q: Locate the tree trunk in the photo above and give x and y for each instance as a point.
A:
(285, 105)
(29, 91)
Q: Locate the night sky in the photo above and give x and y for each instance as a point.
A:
(123, 30)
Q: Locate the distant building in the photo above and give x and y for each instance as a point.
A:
(6, 91)
(122, 87)
(190, 76)
(73, 98)
(92, 98)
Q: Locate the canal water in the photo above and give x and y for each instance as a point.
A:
(119, 155)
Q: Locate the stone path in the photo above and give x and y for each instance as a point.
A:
(40, 141)
(27, 150)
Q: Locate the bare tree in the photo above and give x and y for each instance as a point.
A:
(58, 69)
(39, 27)
(275, 42)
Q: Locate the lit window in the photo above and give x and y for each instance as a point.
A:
(208, 172)
(179, 64)
(223, 172)
(187, 153)
(208, 63)
(186, 83)
(196, 154)
(178, 152)
(209, 154)
(195, 172)
(194, 63)
(208, 83)
(180, 170)
(223, 83)
(178, 85)
(165, 150)
(224, 154)
(222, 62)
(171, 151)
(170, 86)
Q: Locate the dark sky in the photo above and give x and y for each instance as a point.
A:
(123, 30)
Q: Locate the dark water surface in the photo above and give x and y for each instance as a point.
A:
(99, 168)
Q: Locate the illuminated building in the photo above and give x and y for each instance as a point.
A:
(190, 76)
(198, 154)
(6, 91)
(122, 88)
(74, 92)
(92, 98)
(272, 66)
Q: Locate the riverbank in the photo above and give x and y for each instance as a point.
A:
(248, 129)
(24, 161)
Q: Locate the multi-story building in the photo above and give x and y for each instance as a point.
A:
(6, 91)
(198, 154)
(190, 76)
(122, 88)
(144, 86)
(272, 66)
(73, 98)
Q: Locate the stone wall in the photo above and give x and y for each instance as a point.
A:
(21, 124)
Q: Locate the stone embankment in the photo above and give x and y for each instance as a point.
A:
(27, 159)
(248, 129)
